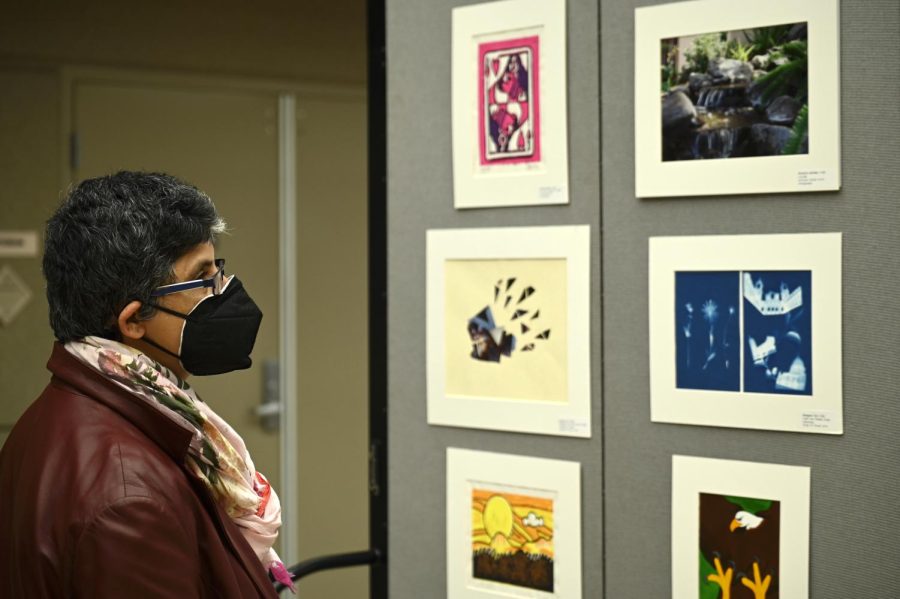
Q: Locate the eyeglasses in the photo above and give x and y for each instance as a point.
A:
(215, 282)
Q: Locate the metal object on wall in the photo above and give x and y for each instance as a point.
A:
(269, 411)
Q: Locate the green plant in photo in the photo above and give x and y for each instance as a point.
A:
(789, 78)
(739, 51)
(666, 72)
(669, 68)
(798, 131)
(704, 49)
(763, 39)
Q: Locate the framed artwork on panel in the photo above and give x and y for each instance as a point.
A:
(509, 104)
(737, 98)
(739, 529)
(513, 526)
(508, 329)
(745, 331)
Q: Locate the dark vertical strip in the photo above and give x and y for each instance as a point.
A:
(378, 337)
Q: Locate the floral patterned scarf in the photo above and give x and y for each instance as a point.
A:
(217, 455)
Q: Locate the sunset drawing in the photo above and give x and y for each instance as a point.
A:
(512, 539)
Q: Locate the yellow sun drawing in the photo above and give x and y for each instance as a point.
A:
(497, 517)
(506, 523)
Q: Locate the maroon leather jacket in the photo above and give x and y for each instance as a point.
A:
(96, 501)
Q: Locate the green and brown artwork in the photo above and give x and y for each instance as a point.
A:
(735, 94)
(512, 539)
(738, 547)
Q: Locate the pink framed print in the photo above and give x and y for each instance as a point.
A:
(509, 114)
(509, 104)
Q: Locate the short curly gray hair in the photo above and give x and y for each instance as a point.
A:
(115, 239)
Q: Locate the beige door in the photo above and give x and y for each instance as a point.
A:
(29, 133)
(332, 246)
(226, 143)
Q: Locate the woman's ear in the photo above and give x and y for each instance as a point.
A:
(129, 326)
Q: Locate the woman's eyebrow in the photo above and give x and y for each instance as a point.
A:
(200, 268)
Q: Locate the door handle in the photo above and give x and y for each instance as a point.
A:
(269, 411)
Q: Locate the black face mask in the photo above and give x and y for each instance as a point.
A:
(219, 332)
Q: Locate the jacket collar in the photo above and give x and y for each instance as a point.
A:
(173, 437)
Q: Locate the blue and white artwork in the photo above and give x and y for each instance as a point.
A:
(707, 336)
(777, 332)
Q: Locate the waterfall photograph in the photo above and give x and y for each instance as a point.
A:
(735, 94)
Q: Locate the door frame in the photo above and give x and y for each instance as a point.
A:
(287, 93)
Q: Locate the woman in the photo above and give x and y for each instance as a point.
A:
(118, 481)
